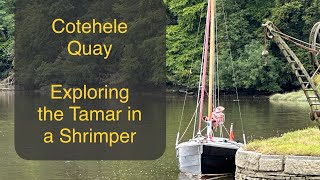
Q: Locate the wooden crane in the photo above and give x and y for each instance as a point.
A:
(304, 77)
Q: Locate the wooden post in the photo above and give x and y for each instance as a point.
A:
(212, 58)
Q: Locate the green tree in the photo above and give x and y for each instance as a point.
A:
(243, 19)
(184, 36)
(6, 37)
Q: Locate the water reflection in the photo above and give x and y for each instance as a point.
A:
(261, 119)
(183, 176)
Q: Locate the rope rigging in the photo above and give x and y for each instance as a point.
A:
(216, 91)
(233, 72)
(189, 76)
(308, 46)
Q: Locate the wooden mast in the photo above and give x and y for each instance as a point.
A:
(212, 58)
(204, 70)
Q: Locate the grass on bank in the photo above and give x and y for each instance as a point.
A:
(295, 96)
(302, 142)
(291, 96)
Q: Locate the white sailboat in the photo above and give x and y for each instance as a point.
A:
(206, 154)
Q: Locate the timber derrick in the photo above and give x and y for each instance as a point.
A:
(305, 78)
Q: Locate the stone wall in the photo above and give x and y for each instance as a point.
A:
(256, 166)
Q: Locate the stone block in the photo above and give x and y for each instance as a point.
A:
(247, 159)
(313, 178)
(302, 165)
(271, 163)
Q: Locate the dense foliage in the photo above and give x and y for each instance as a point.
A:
(6, 37)
(137, 56)
(243, 26)
(242, 32)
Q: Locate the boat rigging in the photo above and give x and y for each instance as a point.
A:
(207, 154)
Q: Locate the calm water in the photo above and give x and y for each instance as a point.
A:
(261, 118)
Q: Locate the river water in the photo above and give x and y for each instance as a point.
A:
(261, 119)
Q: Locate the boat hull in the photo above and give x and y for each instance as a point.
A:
(189, 158)
(217, 160)
(207, 158)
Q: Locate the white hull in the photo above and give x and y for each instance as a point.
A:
(200, 157)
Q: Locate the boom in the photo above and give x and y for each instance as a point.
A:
(305, 79)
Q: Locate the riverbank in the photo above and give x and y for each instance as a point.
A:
(294, 155)
(291, 96)
(302, 143)
(295, 95)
